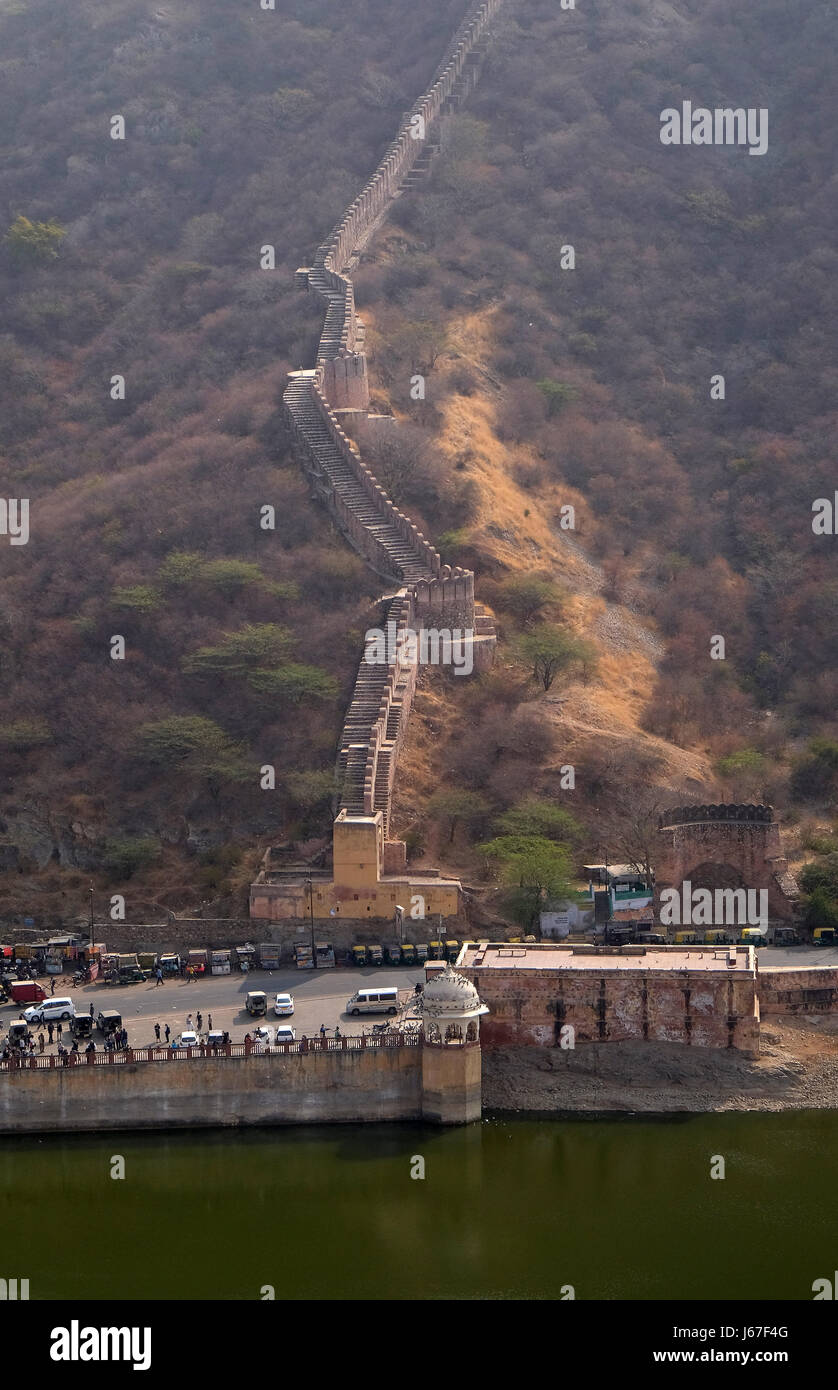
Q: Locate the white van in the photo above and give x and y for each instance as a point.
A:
(384, 1000)
(50, 1010)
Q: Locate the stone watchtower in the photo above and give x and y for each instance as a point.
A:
(451, 1059)
(725, 847)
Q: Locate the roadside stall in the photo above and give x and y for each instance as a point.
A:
(325, 953)
(269, 955)
(220, 963)
(303, 955)
(246, 957)
(196, 962)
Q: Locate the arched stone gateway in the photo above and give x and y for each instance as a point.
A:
(725, 846)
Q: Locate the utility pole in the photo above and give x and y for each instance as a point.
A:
(92, 942)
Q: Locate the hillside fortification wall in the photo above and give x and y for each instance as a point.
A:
(428, 593)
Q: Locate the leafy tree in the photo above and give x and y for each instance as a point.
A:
(557, 394)
(456, 804)
(541, 818)
(822, 875)
(816, 774)
(526, 596)
(139, 597)
(34, 243)
(197, 747)
(122, 858)
(230, 576)
(254, 646)
(293, 683)
(536, 869)
(23, 734)
(310, 790)
(550, 651)
(179, 568)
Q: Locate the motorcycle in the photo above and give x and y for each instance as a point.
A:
(81, 977)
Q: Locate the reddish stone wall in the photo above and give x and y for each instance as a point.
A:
(697, 1007)
(725, 853)
(808, 991)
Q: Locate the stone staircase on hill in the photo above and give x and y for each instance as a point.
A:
(429, 593)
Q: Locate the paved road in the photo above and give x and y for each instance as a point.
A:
(796, 957)
(319, 997)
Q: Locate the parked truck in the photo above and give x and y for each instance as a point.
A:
(27, 992)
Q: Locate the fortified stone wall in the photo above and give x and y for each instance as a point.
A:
(431, 593)
(725, 846)
(811, 990)
(684, 1006)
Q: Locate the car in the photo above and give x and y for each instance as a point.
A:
(285, 1033)
(189, 1039)
(49, 1010)
(284, 1004)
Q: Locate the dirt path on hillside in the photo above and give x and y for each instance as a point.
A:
(797, 1070)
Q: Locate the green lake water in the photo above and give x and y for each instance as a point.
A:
(510, 1208)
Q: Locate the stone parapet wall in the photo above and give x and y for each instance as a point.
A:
(810, 990)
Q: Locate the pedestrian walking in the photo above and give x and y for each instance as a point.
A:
(41, 1041)
(209, 1023)
(50, 1027)
(199, 1018)
(52, 985)
(168, 1032)
(157, 1031)
(159, 974)
(91, 1010)
(189, 1023)
(59, 1028)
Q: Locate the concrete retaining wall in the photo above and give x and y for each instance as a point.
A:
(315, 1088)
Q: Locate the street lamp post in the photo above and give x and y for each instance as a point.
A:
(311, 921)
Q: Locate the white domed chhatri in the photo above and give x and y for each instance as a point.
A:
(450, 1003)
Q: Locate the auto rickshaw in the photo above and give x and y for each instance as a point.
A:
(452, 950)
(787, 936)
(436, 951)
(716, 937)
(18, 1029)
(686, 938)
(359, 955)
(256, 1003)
(824, 936)
(170, 965)
(408, 953)
(393, 953)
(375, 954)
(81, 1026)
(109, 1021)
(421, 952)
(133, 975)
(753, 936)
